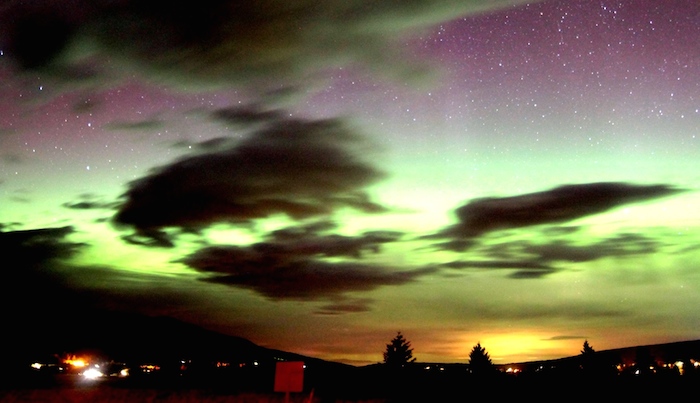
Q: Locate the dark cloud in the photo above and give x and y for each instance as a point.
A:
(565, 337)
(564, 250)
(37, 246)
(216, 41)
(247, 115)
(346, 305)
(454, 245)
(530, 274)
(495, 264)
(302, 231)
(277, 276)
(547, 311)
(90, 202)
(558, 205)
(295, 167)
(522, 268)
(689, 249)
(618, 246)
(314, 239)
(151, 238)
(11, 158)
(527, 259)
(151, 124)
(208, 146)
(569, 311)
(81, 205)
(303, 264)
(328, 245)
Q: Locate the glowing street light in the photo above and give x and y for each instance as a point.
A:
(92, 373)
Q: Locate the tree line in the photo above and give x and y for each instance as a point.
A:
(399, 353)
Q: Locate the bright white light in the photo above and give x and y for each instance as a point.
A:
(92, 373)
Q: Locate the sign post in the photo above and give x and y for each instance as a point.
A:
(289, 377)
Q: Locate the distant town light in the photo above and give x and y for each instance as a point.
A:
(92, 373)
(75, 362)
(149, 368)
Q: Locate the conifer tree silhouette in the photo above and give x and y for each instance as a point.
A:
(398, 352)
(480, 361)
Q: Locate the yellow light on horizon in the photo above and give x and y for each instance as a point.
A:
(523, 347)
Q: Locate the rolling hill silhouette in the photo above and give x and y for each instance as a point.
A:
(136, 339)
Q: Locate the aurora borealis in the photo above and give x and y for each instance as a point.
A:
(317, 177)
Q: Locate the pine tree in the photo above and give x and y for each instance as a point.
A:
(587, 349)
(398, 352)
(480, 361)
(588, 358)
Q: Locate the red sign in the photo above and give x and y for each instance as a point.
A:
(289, 376)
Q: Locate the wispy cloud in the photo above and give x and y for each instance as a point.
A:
(567, 311)
(528, 259)
(90, 202)
(565, 337)
(519, 268)
(215, 42)
(142, 125)
(345, 305)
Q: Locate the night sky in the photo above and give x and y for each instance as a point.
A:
(316, 176)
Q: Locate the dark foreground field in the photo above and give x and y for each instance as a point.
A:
(75, 389)
(112, 395)
(497, 389)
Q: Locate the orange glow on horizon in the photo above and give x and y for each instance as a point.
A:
(522, 347)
